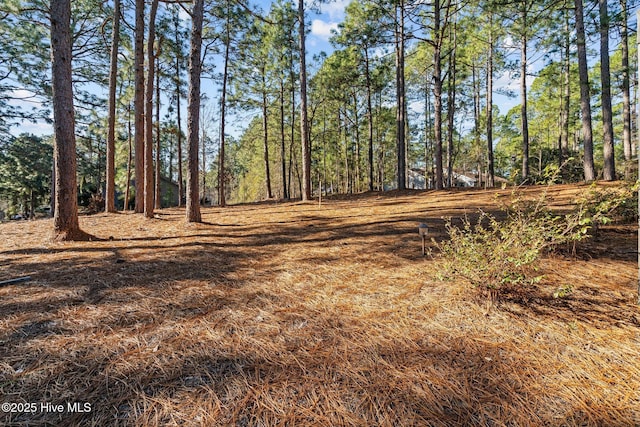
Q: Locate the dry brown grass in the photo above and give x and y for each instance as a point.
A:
(298, 314)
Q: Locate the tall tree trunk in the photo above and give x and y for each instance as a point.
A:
(428, 142)
(148, 114)
(203, 146)
(437, 95)
(323, 179)
(626, 102)
(343, 138)
(356, 126)
(607, 112)
(523, 96)
(369, 117)
(265, 129)
(292, 156)
(475, 84)
(585, 96)
(292, 123)
(110, 204)
(170, 141)
(138, 106)
(129, 160)
(223, 109)
(65, 217)
(400, 97)
(490, 163)
(178, 110)
(32, 205)
(451, 108)
(304, 121)
(283, 156)
(157, 180)
(193, 113)
(381, 144)
(638, 152)
(566, 103)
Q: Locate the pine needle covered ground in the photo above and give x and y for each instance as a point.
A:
(298, 314)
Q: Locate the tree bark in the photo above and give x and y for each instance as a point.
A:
(428, 142)
(157, 180)
(138, 106)
(178, 109)
(292, 123)
(193, 113)
(223, 108)
(437, 96)
(369, 117)
(283, 156)
(451, 108)
(585, 97)
(356, 125)
(149, 189)
(400, 97)
(637, 143)
(265, 129)
(110, 205)
(129, 160)
(566, 103)
(609, 171)
(65, 217)
(490, 163)
(626, 98)
(203, 147)
(523, 96)
(304, 121)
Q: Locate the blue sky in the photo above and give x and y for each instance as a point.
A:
(321, 25)
(321, 22)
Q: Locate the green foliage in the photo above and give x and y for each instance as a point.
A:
(602, 206)
(25, 172)
(495, 255)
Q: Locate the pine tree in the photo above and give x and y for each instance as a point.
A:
(193, 113)
(65, 217)
(113, 74)
(585, 97)
(605, 79)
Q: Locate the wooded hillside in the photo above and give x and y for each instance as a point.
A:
(410, 94)
(295, 313)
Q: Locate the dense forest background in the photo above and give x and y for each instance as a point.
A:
(412, 95)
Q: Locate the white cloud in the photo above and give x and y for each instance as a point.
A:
(23, 97)
(39, 128)
(510, 80)
(510, 43)
(335, 9)
(322, 29)
(507, 81)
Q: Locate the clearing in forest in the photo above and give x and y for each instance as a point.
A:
(307, 314)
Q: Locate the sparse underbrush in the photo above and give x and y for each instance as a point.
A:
(499, 256)
(297, 314)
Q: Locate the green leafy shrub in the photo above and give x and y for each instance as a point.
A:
(493, 255)
(610, 204)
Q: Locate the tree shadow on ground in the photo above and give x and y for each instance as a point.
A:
(320, 373)
(588, 304)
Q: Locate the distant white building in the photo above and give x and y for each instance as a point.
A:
(416, 180)
(461, 180)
